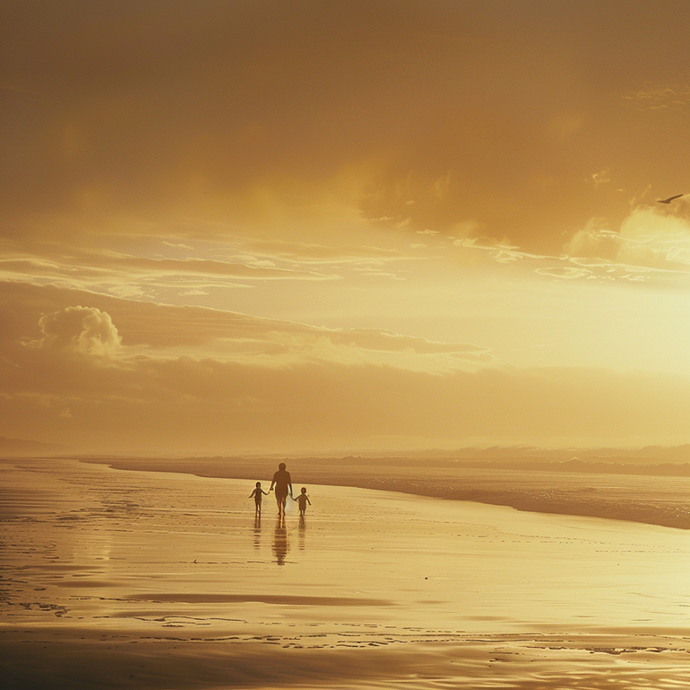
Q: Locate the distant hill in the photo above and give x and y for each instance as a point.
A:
(646, 455)
(17, 446)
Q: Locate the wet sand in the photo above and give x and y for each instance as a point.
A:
(114, 578)
(625, 491)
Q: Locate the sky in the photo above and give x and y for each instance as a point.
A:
(338, 226)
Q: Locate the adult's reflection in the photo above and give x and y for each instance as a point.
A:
(280, 541)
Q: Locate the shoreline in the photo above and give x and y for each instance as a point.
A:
(644, 499)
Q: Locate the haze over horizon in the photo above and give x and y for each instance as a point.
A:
(301, 226)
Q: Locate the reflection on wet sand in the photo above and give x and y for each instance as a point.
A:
(281, 544)
(280, 540)
(257, 531)
(302, 532)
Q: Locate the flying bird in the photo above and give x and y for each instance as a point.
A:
(669, 200)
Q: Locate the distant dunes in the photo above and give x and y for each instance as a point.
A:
(18, 446)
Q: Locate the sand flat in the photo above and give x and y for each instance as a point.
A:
(625, 492)
(119, 578)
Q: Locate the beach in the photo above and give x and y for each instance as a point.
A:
(434, 256)
(122, 578)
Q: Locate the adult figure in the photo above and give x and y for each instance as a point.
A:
(283, 486)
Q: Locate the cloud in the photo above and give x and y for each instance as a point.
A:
(291, 118)
(659, 97)
(310, 252)
(151, 265)
(564, 272)
(206, 405)
(189, 379)
(59, 261)
(85, 330)
(647, 239)
(650, 247)
(499, 251)
(165, 152)
(169, 332)
(138, 274)
(601, 178)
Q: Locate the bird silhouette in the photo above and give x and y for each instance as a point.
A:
(669, 200)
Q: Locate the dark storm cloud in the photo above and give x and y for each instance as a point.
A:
(492, 112)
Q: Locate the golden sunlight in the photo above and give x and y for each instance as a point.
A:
(432, 256)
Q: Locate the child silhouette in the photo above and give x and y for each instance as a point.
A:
(256, 495)
(302, 500)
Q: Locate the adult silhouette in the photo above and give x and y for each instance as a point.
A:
(283, 485)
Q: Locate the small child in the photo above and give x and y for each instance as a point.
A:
(302, 499)
(256, 495)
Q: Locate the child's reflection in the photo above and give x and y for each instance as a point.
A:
(257, 530)
(302, 531)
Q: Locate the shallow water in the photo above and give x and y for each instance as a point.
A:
(626, 492)
(106, 574)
